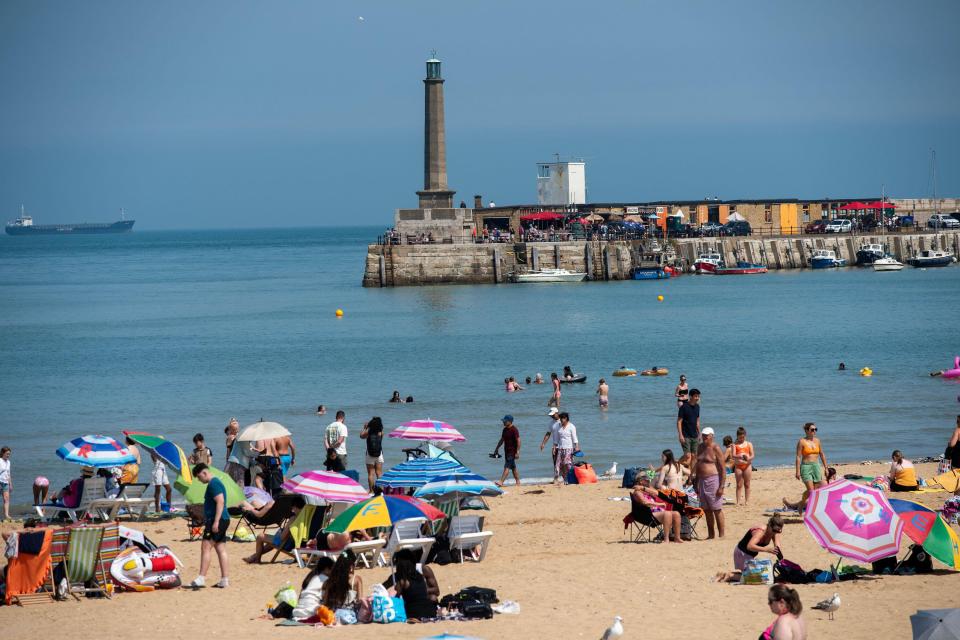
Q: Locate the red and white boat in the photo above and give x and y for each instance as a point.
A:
(742, 269)
(708, 263)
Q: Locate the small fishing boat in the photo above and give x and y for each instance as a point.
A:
(708, 263)
(868, 253)
(931, 258)
(887, 263)
(742, 269)
(826, 259)
(650, 273)
(549, 275)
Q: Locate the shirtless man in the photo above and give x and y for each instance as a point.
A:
(286, 451)
(709, 476)
(603, 393)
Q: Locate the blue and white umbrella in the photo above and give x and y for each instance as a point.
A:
(95, 451)
(418, 472)
(456, 485)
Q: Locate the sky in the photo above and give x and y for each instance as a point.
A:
(240, 113)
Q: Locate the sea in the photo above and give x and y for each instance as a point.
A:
(175, 332)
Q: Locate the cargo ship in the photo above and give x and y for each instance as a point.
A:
(23, 226)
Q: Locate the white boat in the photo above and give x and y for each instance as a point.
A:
(931, 258)
(708, 263)
(826, 259)
(549, 275)
(887, 263)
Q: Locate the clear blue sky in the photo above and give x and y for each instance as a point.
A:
(249, 113)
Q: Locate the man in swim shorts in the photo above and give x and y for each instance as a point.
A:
(510, 441)
(688, 423)
(603, 394)
(709, 478)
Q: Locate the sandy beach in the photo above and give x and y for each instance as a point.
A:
(559, 552)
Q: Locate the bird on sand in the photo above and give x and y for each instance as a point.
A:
(615, 630)
(612, 471)
(829, 605)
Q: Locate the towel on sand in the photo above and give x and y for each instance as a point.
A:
(26, 572)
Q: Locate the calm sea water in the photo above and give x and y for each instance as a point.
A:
(174, 332)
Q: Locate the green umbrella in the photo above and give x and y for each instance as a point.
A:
(195, 491)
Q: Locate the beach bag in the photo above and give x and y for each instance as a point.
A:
(385, 608)
(482, 594)
(885, 565)
(286, 594)
(347, 616)
(789, 572)
(476, 609)
(629, 477)
(918, 561)
(375, 444)
(757, 571)
(572, 475)
(585, 474)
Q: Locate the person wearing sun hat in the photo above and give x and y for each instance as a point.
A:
(554, 414)
(510, 440)
(709, 476)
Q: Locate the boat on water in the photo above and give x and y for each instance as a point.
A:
(650, 273)
(887, 263)
(23, 226)
(868, 253)
(742, 269)
(549, 275)
(826, 259)
(707, 263)
(931, 258)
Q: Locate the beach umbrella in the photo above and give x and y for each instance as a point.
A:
(95, 451)
(257, 496)
(457, 485)
(168, 452)
(936, 624)
(853, 521)
(382, 511)
(925, 527)
(263, 431)
(434, 451)
(322, 487)
(193, 492)
(427, 430)
(449, 636)
(418, 472)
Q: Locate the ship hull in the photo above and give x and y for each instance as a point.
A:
(83, 228)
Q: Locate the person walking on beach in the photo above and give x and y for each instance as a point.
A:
(743, 455)
(160, 481)
(551, 434)
(810, 455)
(6, 480)
(286, 452)
(688, 424)
(567, 445)
(510, 441)
(709, 476)
(235, 466)
(335, 437)
(554, 400)
(681, 391)
(372, 432)
(216, 521)
(603, 394)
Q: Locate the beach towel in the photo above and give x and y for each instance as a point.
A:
(300, 527)
(30, 542)
(949, 480)
(26, 572)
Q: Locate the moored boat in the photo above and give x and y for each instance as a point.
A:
(868, 253)
(650, 273)
(708, 263)
(826, 259)
(887, 263)
(742, 269)
(931, 258)
(549, 275)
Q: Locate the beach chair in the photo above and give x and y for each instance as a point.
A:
(641, 524)
(693, 516)
(83, 563)
(466, 533)
(406, 535)
(94, 489)
(369, 553)
(275, 517)
(130, 498)
(306, 526)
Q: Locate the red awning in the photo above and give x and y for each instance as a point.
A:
(879, 205)
(854, 206)
(543, 215)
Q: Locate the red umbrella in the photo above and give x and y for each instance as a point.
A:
(880, 205)
(853, 206)
(543, 215)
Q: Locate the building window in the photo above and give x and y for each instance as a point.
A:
(768, 214)
(693, 216)
(543, 171)
(806, 213)
(733, 209)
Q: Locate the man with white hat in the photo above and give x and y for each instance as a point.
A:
(709, 476)
(552, 433)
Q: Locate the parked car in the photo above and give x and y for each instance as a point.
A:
(839, 225)
(943, 221)
(737, 228)
(817, 226)
(711, 229)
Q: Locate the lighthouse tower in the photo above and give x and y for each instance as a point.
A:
(435, 194)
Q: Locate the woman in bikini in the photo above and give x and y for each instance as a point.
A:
(672, 475)
(743, 456)
(811, 460)
(788, 625)
(681, 392)
(554, 400)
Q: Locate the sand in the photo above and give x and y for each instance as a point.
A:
(560, 553)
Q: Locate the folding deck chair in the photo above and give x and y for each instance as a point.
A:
(276, 516)
(466, 532)
(94, 489)
(406, 535)
(83, 563)
(130, 498)
(641, 524)
(368, 552)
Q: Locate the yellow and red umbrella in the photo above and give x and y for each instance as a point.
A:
(383, 511)
(925, 527)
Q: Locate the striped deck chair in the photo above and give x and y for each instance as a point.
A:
(83, 562)
(452, 509)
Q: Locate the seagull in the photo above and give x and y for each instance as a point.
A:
(829, 605)
(361, 19)
(612, 471)
(615, 630)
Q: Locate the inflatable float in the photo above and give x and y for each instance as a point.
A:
(577, 377)
(866, 372)
(623, 372)
(656, 371)
(955, 372)
(136, 570)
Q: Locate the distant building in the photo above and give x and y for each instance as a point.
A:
(561, 183)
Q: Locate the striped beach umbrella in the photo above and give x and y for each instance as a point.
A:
(927, 528)
(418, 472)
(853, 521)
(168, 452)
(457, 485)
(382, 511)
(427, 430)
(326, 487)
(95, 451)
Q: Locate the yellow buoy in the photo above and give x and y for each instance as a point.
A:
(866, 372)
(660, 298)
(339, 313)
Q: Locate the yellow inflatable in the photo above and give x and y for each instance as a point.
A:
(624, 372)
(656, 371)
(866, 372)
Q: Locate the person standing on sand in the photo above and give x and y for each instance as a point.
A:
(160, 481)
(603, 394)
(709, 477)
(335, 437)
(130, 472)
(688, 423)
(809, 456)
(286, 452)
(567, 445)
(952, 452)
(201, 452)
(372, 432)
(510, 441)
(554, 400)
(743, 455)
(235, 468)
(6, 481)
(216, 521)
(551, 434)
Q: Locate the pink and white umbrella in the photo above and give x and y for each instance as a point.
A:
(326, 486)
(427, 430)
(853, 521)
